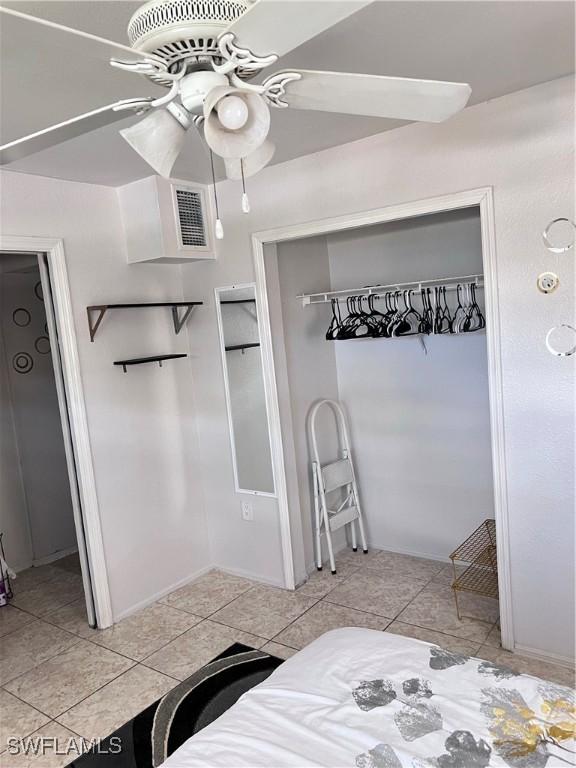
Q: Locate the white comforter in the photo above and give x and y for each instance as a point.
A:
(368, 699)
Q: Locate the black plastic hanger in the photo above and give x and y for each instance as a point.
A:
(335, 322)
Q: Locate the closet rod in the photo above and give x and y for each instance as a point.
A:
(375, 290)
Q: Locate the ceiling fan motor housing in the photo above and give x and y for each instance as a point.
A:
(177, 29)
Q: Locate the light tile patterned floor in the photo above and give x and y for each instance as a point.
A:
(62, 679)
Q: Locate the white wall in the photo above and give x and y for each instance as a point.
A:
(521, 145)
(310, 362)
(37, 420)
(252, 548)
(142, 423)
(13, 512)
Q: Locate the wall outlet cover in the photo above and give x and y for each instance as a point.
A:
(247, 511)
(547, 282)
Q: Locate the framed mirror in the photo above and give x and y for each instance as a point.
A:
(245, 393)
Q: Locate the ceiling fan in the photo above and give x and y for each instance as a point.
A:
(206, 54)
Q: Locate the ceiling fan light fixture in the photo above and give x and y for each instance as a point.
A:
(246, 139)
(232, 112)
(159, 138)
(251, 164)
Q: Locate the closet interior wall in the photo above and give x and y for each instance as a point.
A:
(35, 503)
(420, 419)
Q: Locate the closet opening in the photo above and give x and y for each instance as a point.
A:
(393, 314)
(41, 513)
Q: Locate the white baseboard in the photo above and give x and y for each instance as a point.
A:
(552, 658)
(173, 587)
(311, 567)
(413, 553)
(249, 575)
(54, 556)
(162, 593)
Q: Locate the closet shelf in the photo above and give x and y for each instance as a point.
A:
(375, 290)
(143, 360)
(96, 312)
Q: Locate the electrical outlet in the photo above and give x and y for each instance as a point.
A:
(247, 511)
(547, 282)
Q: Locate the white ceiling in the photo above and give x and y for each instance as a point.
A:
(496, 46)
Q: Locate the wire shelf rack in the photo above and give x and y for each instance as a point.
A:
(479, 552)
(479, 546)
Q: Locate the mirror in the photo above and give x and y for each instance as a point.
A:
(245, 394)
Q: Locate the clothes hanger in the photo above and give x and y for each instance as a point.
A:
(460, 314)
(408, 322)
(427, 316)
(469, 324)
(376, 317)
(476, 317)
(394, 314)
(335, 322)
(442, 320)
(343, 330)
(353, 322)
(388, 315)
(362, 326)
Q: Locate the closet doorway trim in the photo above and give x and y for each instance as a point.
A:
(484, 199)
(54, 250)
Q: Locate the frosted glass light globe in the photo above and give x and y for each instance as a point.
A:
(232, 112)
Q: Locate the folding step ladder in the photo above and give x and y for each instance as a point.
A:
(330, 477)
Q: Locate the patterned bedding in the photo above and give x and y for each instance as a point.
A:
(366, 699)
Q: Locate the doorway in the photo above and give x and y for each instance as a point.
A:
(42, 516)
(285, 435)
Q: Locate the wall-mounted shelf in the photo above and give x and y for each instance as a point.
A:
(232, 347)
(96, 312)
(143, 360)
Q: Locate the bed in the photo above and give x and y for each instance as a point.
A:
(369, 699)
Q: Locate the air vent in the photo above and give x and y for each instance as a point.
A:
(167, 220)
(191, 218)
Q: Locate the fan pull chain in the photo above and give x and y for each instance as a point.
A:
(245, 201)
(218, 228)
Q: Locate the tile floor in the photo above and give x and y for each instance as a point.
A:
(61, 679)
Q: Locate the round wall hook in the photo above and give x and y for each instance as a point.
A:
(561, 340)
(559, 235)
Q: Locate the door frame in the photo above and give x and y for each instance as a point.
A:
(484, 199)
(80, 465)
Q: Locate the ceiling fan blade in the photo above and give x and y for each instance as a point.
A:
(92, 45)
(270, 26)
(56, 134)
(400, 98)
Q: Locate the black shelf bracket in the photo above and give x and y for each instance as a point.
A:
(93, 325)
(143, 360)
(180, 320)
(96, 312)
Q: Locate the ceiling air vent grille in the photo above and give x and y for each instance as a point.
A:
(191, 218)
